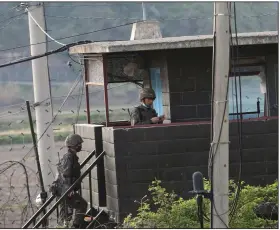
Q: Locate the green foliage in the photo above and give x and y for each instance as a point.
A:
(172, 211)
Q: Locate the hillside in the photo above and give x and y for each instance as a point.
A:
(71, 18)
(67, 19)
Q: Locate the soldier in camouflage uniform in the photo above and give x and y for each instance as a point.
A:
(69, 171)
(144, 113)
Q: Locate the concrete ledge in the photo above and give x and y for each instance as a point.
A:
(256, 38)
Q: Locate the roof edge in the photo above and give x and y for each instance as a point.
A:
(255, 38)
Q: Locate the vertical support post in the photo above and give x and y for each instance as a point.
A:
(100, 167)
(144, 11)
(105, 60)
(41, 92)
(87, 90)
(220, 153)
(90, 194)
(41, 181)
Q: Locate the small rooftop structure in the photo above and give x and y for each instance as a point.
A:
(256, 38)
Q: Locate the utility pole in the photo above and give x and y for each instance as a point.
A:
(220, 157)
(43, 106)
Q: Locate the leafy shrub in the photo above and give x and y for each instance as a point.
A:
(172, 211)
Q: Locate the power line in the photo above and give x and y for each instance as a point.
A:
(94, 4)
(160, 18)
(234, 206)
(9, 10)
(61, 49)
(49, 36)
(77, 35)
(59, 111)
(8, 19)
(13, 105)
(126, 24)
(14, 19)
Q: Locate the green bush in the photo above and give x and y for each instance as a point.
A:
(172, 211)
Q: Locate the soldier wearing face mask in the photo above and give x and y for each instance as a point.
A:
(144, 113)
(69, 170)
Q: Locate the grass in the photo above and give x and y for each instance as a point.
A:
(12, 132)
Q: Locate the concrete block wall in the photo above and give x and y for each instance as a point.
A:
(136, 156)
(112, 173)
(190, 83)
(190, 80)
(92, 136)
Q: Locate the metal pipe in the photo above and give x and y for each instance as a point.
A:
(43, 192)
(36, 214)
(92, 221)
(35, 146)
(105, 75)
(258, 107)
(90, 194)
(244, 113)
(87, 91)
(70, 190)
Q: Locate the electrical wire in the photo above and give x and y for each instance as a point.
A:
(59, 50)
(13, 105)
(13, 20)
(89, 18)
(160, 18)
(126, 24)
(74, 60)
(59, 110)
(76, 35)
(94, 4)
(49, 36)
(9, 10)
(8, 19)
(47, 59)
(239, 119)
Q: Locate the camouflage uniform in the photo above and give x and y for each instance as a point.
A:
(69, 170)
(142, 114)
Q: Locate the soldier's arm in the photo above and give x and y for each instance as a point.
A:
(67, 169)
(135, 118)
(156, 115)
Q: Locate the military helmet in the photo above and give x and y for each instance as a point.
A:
(73, 140)
(147, 93)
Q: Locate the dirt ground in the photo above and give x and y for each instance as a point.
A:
(15, 208)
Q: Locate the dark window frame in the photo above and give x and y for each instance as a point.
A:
(242, 72)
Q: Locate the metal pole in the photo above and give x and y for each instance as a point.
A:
(106, 89)
(87, 90)
(220, 156)
(144, 11)
(43, 192)
(43, 107)
(90, 195)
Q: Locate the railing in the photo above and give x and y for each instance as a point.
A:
(61, 198)
(248, 113)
